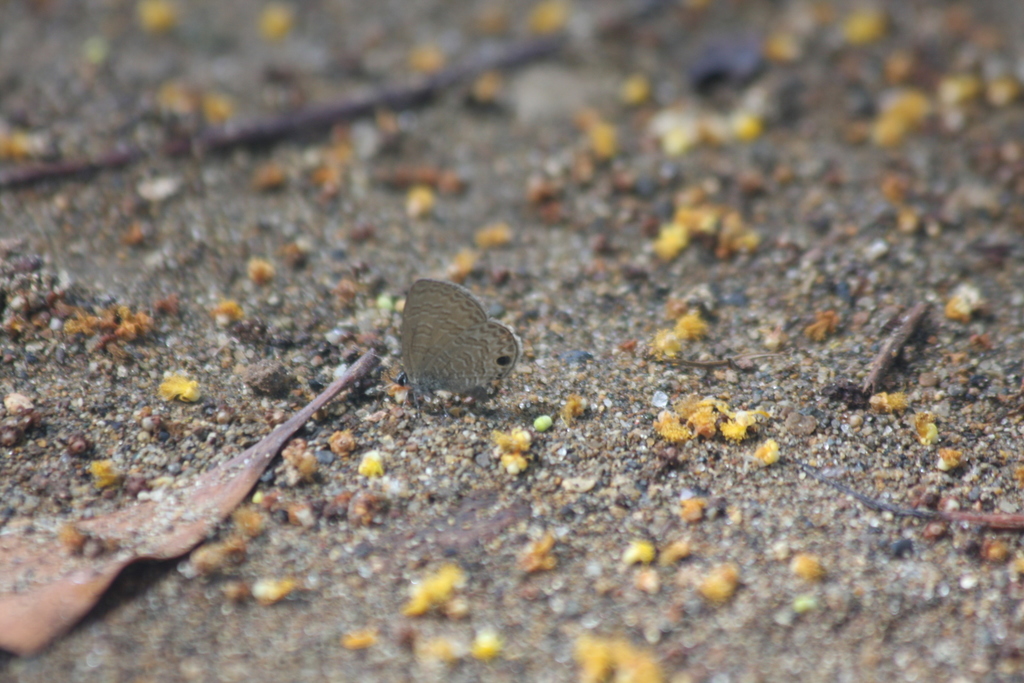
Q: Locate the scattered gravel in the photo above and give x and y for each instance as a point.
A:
(111, 283)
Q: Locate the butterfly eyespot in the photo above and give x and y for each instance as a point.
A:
(504, 360)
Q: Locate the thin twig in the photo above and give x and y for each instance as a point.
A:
(733, 362)
(34, 173)
(272, 129)
(991, 520)
(892, 347)
(868, 501)
(318, 117)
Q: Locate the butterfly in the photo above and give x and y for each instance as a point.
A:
(449, 343)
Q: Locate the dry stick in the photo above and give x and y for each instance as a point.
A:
(272, 129)
(733, 361)
(309, 119)
(991, 520)
(881, 364)
(870, 502)
(34, 173)
(890, 350)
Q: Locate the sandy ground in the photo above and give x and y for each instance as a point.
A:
(844, 225)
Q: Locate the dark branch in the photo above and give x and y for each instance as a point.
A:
(868, 501)
(891, 349)
(318, 117)
(34, 173)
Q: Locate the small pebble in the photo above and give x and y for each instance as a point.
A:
(575, 357)
(798, 424)
(269, 378)
(901, 549)
(733, 58)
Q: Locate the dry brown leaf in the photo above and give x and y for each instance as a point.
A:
(44, 591)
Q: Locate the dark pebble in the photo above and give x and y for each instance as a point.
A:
(669, 173)
(790, 101)
(664, 209)
(738, 299)
(646, 186)
(26, 264)
(279, 340)
(901, 549)
(843, 292)
(859, 102)
(972, 548)
(576, 357)
(735, 58)
(975, 381)
(324, 457)
(250, 331)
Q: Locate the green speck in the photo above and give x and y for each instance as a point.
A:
(95, 50)
(804, 603)
(385, 303)
(543, 423)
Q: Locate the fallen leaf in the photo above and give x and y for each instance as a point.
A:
(44, 590)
